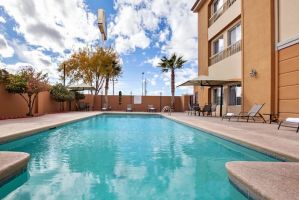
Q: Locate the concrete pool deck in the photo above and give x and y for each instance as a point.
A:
(283, 144)
(257, 180)
(12, 129)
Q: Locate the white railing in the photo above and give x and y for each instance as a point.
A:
(226, 5)
(232, 49)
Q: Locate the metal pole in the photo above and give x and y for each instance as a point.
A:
(160, 101)
(113, 86)
(145, 91)
(64, 74)
(142, 83)
(221, 100)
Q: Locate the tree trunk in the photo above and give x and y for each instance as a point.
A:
(172, 89)
(106, 91)
(30, 106)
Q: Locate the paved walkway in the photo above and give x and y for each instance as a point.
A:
(282, 143)
(13, 129)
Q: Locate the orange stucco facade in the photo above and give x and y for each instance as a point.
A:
(270, 47)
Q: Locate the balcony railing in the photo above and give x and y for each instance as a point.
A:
(232, 49)
(226, 5)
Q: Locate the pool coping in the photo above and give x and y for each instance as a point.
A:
(12, 164)
(265, 180)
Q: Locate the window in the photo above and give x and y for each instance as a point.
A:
(217, 96)
(234, 35)
(217, 5)
(218, 45)
(235, 95)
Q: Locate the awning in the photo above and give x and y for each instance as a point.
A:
(208, 81)
(81, 87)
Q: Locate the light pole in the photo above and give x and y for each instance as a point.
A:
(102, 24)
(142, 77)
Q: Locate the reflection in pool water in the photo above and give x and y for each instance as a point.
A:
(126, 157)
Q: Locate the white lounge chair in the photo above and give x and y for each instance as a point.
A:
(290, 122)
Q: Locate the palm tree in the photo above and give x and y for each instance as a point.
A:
(171, 64)
(112, 69)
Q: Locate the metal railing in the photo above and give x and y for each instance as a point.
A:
(232, 49)
(226, 5)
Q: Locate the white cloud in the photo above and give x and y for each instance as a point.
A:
(6, 50)
(154, 61)
(178, 25)
(53, 25)
(2, 20)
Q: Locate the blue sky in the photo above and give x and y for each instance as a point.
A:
(42, 33)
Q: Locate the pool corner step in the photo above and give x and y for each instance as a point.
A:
(12, 164)
(265, 180)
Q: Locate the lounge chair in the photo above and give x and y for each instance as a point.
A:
(151, 108)
(254, 113)
(129, 108)
(106, 107)
(290, 122)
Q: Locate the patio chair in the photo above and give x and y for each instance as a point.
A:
(129, 108)
(196, 108)
(254, 113)
(151, 108)
(207, 109)
(106, 107)
(290, 122)
(83, 106)
(190, 109)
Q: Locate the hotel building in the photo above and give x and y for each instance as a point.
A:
(253, 42)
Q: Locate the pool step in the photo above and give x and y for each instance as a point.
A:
(12, 164)
(265, 180)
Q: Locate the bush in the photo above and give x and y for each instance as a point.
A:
(61, 94)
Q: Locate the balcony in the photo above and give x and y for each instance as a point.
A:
(226, 5)
(229, 51)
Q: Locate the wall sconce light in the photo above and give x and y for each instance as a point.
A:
(253, 73)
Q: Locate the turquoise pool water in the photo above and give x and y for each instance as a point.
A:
(126, 157)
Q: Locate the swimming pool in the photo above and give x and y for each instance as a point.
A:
(126, 157)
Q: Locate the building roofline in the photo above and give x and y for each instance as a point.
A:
(197, 5)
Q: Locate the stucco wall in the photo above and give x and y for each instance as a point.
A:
(13, 106)
(288, 16)
(258, 53)
(229, 68)
(289, 82)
